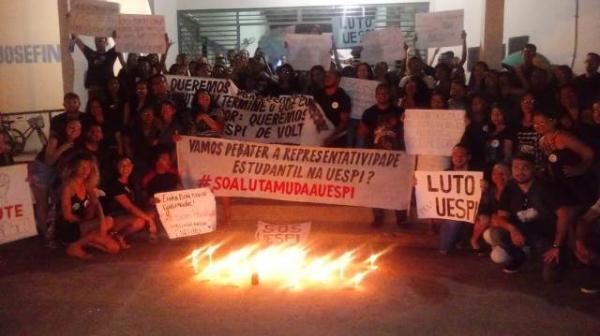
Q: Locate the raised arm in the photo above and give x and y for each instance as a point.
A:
(163, 57)
(463, 57)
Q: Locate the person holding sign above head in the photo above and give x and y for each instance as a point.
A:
(336, 105)
(381, 127)
(531, 213)
(100, 63)
(80, 222)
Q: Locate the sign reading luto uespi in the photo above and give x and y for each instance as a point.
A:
(358, 177)
(453, 195)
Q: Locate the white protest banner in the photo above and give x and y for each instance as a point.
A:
(187, 86)
(186, 213)
(362, 92)
(359, 177)
(283, 233)
(16, 208)
(265, 119)
(93, 18)
(141, 34)
(433, 132)
(383, 45)
(348, 31)
(439, 29)
(453, 195)
(307, 50)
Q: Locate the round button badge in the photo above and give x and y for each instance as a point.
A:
(335, 105)
(495, 143)
(553, 158)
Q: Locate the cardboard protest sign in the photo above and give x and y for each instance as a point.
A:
(359, 177)
(453, 195)
(439, 29)
(383, 45)
(188, 86)
(433, 132)
(307, 50)
(283, 233)
(362, 92)
(348, 31)
(186, 213)
(141, 34)
(16, 208)
(93, 18)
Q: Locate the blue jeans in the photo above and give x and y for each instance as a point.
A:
(450, 234)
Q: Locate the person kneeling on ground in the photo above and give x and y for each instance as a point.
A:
(81, 222)
(530, 214)
(121, 195)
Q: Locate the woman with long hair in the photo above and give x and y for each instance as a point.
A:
(81, 222)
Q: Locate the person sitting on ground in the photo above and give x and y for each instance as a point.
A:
(124, 206)
(488, 206)
(80, 222)
(531, 214)
(162, 178)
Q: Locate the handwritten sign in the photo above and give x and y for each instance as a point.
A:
(348, 31)
(93, 18)
(188, 86)
(283, 233)
(439, 29)
(186, 213)
(433, 132)
(453, 195)
(359, 177)
(16, 209)
(362, 92)
(141, 34)
(307, 50)
(383, 45)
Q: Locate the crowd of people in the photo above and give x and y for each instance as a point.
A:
(534, 131)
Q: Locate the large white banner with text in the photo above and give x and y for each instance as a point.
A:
(359, 177)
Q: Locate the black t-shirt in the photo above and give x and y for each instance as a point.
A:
(157, 183)
(588, 88)
(385, 130)
(334, 105)
(100, 66)
(114, 189)
(540, 197)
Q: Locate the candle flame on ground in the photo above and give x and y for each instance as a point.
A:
(290, 266)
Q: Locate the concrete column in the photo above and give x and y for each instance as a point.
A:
(492, 32)
(68, 67)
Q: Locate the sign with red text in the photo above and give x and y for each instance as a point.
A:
(141, 34)
(282, 233)
(186, 213)
(348, 31)
(93, 18)
(453, 195)
(439, 29)
(16, 208)
(433, 132)
(359, 177)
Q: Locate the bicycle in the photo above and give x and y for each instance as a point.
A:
(17, 139)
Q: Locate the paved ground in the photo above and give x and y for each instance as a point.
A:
(149, 290)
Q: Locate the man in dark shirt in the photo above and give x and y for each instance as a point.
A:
(336, 105)
(100, 64)
(530, 214)
(588, 84)
(58, 123)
